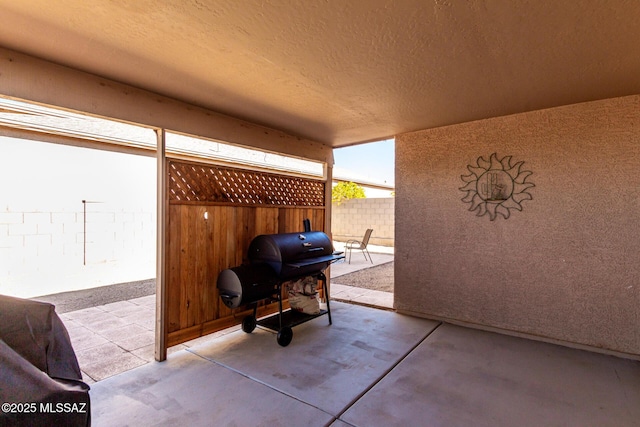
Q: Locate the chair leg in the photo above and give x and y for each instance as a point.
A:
(370, 259)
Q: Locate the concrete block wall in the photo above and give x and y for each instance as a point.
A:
(50, 246)
(351, 218)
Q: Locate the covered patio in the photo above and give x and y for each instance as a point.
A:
(517, 132)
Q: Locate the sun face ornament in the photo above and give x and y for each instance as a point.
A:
(495, 186)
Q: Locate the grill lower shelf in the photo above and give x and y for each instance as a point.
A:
(284, 320)
(290, 318)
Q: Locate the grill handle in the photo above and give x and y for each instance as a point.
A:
(229, 296)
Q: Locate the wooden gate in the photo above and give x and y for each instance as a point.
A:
(212, 215)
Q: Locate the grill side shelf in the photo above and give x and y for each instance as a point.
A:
(314, 261)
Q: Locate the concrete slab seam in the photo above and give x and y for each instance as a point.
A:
(387, 372)
(256, 380)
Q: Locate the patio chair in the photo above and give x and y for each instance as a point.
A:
(360, 245)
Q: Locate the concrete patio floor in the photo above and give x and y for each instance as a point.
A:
(372, 368)
(112, 338)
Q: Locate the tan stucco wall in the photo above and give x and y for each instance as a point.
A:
(566, 267)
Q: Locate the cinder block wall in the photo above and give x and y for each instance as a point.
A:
(50, 244)
(351, 218)
(564, 267)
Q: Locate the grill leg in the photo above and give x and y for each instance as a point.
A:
(325, 288)
(280, 305)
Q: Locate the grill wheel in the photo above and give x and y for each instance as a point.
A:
(285, 335)
(249, 324)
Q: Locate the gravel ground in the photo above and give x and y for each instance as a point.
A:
(379, 278)
(77, 300)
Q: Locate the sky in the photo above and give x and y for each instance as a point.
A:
(374, 161)
(51, 176)
(107, 173)
(60, 176)
(40, 176)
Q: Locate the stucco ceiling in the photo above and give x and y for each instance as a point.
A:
(344, 72)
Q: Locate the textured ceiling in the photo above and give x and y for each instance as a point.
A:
(344, 72)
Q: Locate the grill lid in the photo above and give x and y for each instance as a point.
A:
(293, 254)
(289, 247)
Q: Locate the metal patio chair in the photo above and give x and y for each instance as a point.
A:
(360, 245)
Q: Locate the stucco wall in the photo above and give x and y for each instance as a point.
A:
(351, 218)
(566, 267)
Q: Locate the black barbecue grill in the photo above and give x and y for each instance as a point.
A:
(275, 259)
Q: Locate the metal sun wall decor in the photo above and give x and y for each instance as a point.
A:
(495, 186)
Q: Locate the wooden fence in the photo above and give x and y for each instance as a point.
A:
(213, 213)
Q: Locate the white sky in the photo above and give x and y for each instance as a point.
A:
(40, 176)
(109, 174)
(373, 162)
(51, 177)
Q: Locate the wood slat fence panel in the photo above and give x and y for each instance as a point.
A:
(213, 214)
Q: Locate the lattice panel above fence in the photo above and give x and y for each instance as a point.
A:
(190, 182)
